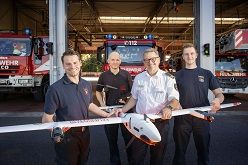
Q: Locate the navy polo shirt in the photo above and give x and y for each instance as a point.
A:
(193, 86)
(69, 101)
(122, 81)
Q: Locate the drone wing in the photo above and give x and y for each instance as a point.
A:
(73, 123)
(192, 110)
(98, 121)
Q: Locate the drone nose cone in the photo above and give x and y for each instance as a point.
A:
(151, 140)
(154, 134)
(156, 137)
(147, 140)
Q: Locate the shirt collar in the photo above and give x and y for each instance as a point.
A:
(113, 73)
(159, 73)
(67, 81)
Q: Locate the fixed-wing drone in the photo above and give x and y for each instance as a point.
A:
(140, 125)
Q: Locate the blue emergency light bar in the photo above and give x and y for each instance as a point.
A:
(111, 36)
(27, 31)
(149, 36)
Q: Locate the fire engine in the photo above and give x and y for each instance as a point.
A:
(24, 65)
(131, 49)
(231, 70)
(231, 62)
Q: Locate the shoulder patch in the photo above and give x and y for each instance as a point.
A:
(169, 75)
(175, 86)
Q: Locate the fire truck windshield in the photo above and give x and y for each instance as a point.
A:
(231, 63)
(131, 54)
(15, 46)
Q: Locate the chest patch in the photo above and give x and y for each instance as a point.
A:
(86, 92)
(123, 88)
(201, 78)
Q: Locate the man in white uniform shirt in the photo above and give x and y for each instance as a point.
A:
(154, 91)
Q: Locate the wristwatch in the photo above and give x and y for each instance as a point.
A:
(170, 107)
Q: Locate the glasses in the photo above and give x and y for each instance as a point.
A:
(153, 59)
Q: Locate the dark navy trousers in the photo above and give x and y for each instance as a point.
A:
(183, 127)
(74, 148)
(111, 132)
(138, 148)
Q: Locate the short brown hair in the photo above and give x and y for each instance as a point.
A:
(188, 45)
(70, 52)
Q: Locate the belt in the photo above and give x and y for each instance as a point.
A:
(160, 120)
(77, 129)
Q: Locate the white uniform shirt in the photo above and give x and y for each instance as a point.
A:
(153, 93)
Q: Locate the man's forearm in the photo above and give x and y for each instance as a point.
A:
(99, 98)
(174, 103)
(130, 104)
(46, 118)
(96, 110)
(220, 96)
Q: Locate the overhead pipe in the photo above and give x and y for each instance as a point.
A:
(79, 34)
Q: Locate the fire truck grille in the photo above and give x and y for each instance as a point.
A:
(9, 69)
(233, 82)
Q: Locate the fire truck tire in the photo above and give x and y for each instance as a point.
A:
(38, 96)
(3, 97)
(40, 92)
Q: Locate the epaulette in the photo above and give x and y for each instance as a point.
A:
(169, 75)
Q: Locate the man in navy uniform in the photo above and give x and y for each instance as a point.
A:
(193, 84)
(70, 98)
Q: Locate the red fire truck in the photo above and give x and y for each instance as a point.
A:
(23, 65)
(231, 62)
(231, 69)
(131, 49)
